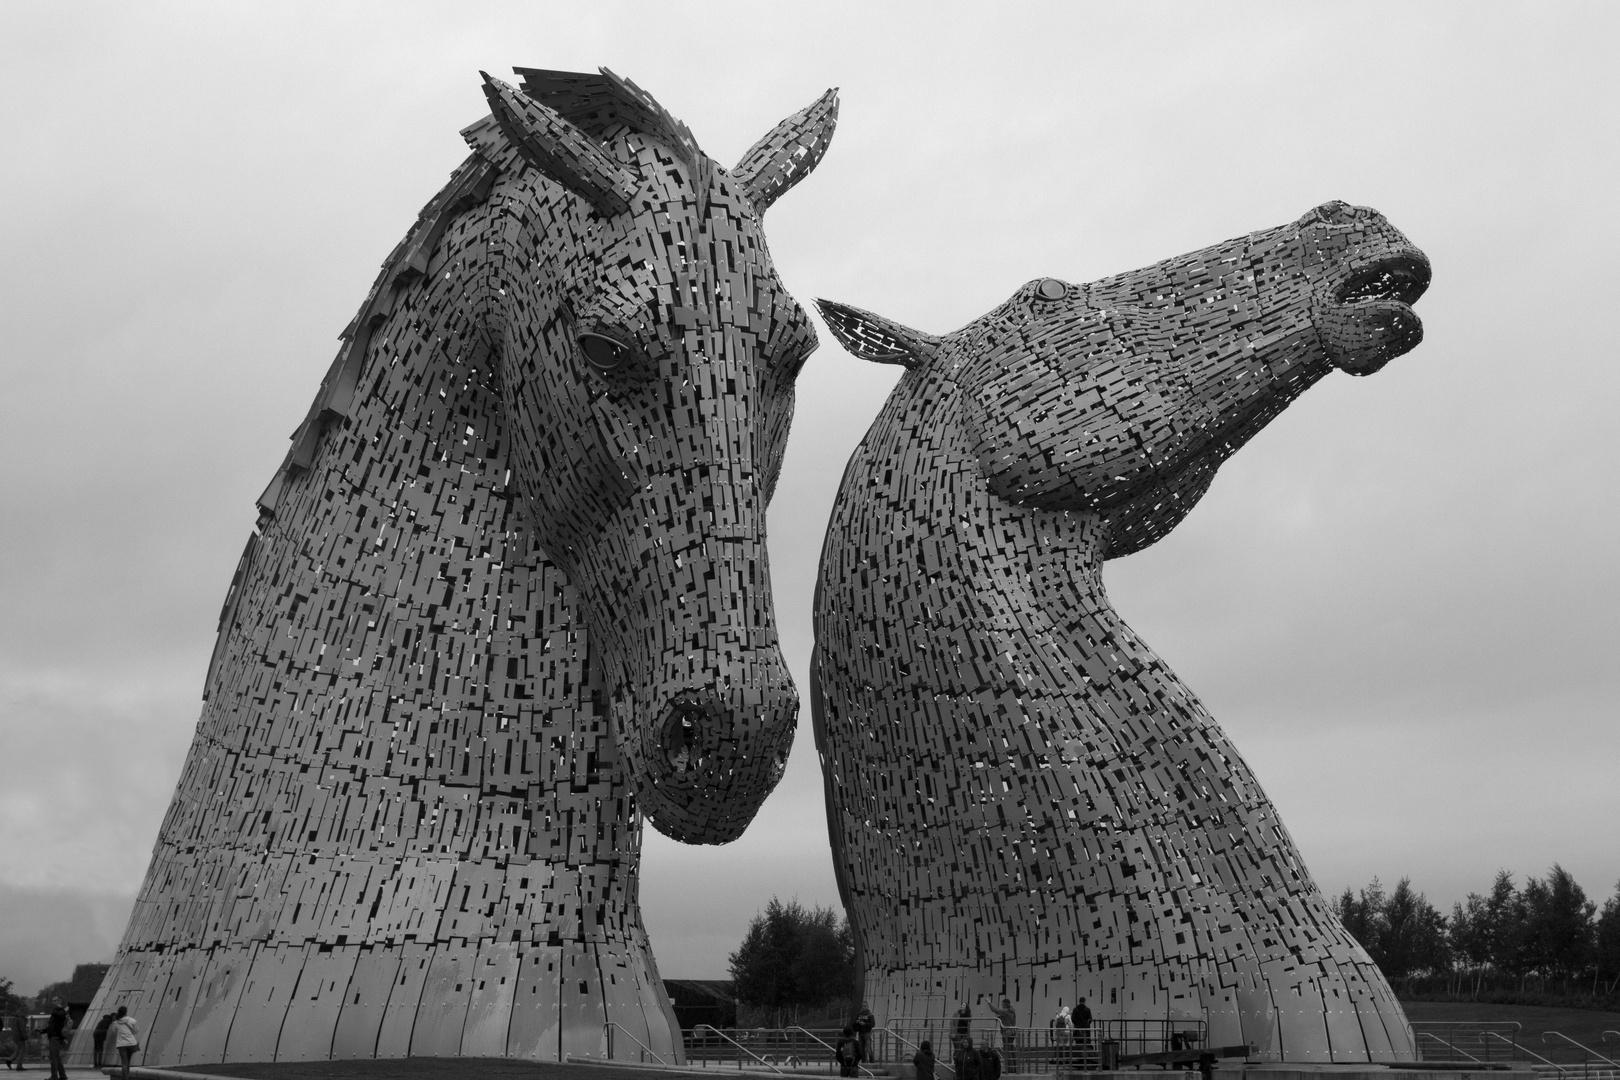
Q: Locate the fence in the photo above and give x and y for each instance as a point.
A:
(1037, 1050)
(794, 1049)
(1463, 1040)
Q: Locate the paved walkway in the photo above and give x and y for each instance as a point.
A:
(460, 1068)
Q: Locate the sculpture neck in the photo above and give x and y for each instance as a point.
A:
(1043, 609)
(1021, 586)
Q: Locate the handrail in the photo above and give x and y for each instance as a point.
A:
(607, 1031)
(1525, 1050)
(897, 1037)
(1448, 1045)
(1604, 1038)
(1578, 1046)
(738, 1045)
(828, 1045)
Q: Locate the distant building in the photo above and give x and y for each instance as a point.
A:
(80, 991)
(702, 1001)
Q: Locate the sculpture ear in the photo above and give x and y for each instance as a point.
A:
(788, 152)
(872, 337)
(560, 150)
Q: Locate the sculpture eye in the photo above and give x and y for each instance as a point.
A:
(603, 353)
(1051, 289)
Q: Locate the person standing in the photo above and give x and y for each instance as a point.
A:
(1062, 1032)
(863, 1024)
(923, 1060)
(1008, 1019)
(848, 1053)
(99, 1036)
(964, 1020)
(1082, 1025)
(989, 1062)
(967, 1060)
(127, 1037)
(56, 1029)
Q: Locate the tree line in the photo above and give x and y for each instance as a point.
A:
(1544, 942)
(15, 1004)
(795, 965)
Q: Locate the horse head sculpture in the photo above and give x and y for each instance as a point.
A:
(508, 589)
(1023, 799)
(649, 354)
(1121, 398)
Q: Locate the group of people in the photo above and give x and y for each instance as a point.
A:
(854, 1044)
(968, 1062)
(120, 1026)
(1068, 1028)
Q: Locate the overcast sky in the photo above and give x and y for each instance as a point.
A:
(1401, 599)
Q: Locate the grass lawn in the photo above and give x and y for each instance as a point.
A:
(461, 1068)
(1585, 1026)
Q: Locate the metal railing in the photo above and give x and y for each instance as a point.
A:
(940, 1067)
(1037, 1050)
(608, 1030)
(829, 1048)
(1432, 1047)
(1527, 1052)
(1587, 1070)
(1464, 1040)
(798, 1049)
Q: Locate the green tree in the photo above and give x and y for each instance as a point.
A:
(11, 1003)
(1558, 928)
(793, 958)
(41, 1002)
(1504, 926)
(1606, 951)
(1412, 937)
(1363, 916)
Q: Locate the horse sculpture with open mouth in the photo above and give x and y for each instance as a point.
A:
(508, 593)
(1023, 799)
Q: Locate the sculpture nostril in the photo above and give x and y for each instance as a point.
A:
(680, 734)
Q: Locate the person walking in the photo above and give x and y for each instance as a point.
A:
(923, 1061)
(10, 1027)
(127, 1037)
(98, 1036)
(56, 1029)
(19, 1033)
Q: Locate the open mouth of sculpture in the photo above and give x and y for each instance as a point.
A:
(1401, 278)
(1371, 320)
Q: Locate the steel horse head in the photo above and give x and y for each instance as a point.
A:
(1012, 775)
(508, 588)
(648, 354)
